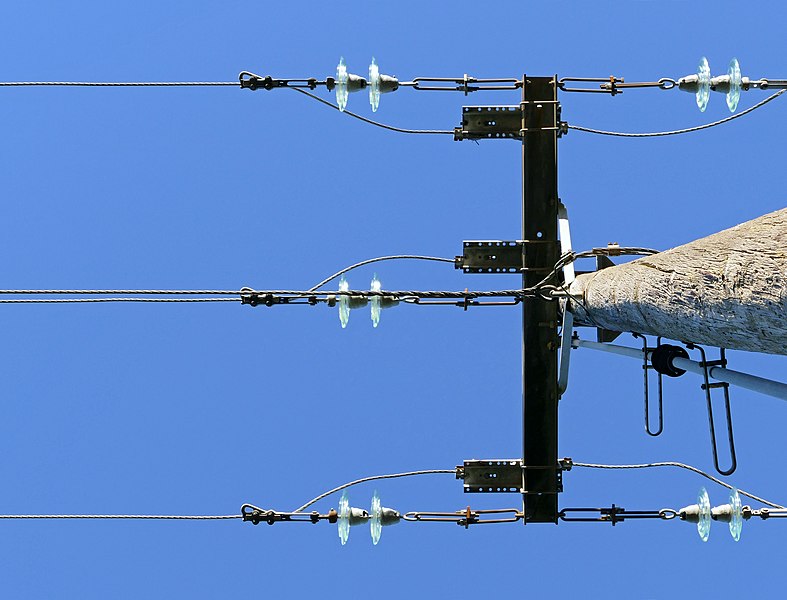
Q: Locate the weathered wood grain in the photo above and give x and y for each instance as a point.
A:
(728, 290)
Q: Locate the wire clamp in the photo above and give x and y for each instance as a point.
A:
(256, 515)
(253, 298)
(253, 82)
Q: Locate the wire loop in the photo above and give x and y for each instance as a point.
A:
(677, 131)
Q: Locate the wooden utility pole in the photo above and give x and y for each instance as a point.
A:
(727, 290)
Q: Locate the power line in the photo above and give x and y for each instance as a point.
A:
(372, 478)
(370, 121)
(146, 517)
(195, 292)
(678, 131)
(89, 300)
(378, 259)
(541, 289)
(247, 292)
(681, 466)
(132, 292)
(536, 288)
(119, 83)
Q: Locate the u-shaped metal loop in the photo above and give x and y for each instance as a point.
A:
(708, 386)
(646, 367)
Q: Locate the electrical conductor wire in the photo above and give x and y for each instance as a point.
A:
(541, 289)
(148, 517)
(514, 293)
(678, 131)
(119, 83)
(536, 290)
(370, 121)
(378, 259)
(681, 466)
(89, 300)
(372, 478)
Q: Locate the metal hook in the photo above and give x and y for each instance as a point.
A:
(708, 386)
(646, 366)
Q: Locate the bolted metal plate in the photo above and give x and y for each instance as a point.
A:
(489, 122)
(493, 476)
(492, 256)
(502, 256)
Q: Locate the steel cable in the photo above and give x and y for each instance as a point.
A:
(132, 292)
(89, 300)
(516, 293)
(119, 83)
(372, 478)
(370, 121)
(681, 466)
(238, 295)
(150, 517)
(678, 131)
(378, 259)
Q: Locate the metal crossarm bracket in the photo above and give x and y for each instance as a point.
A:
(493, 476)
(499, 256)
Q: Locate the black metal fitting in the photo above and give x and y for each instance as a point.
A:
(613, 514)
(254, 515)
(253, 82)
(248, 299)
(661, 358)
(565, 464)
(255, 299)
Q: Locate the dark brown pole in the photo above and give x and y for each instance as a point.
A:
(539, 317)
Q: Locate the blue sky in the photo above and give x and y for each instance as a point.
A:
(196, 409)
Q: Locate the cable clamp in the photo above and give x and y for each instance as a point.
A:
(257, 515)
(253, 82)
(252, 298)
